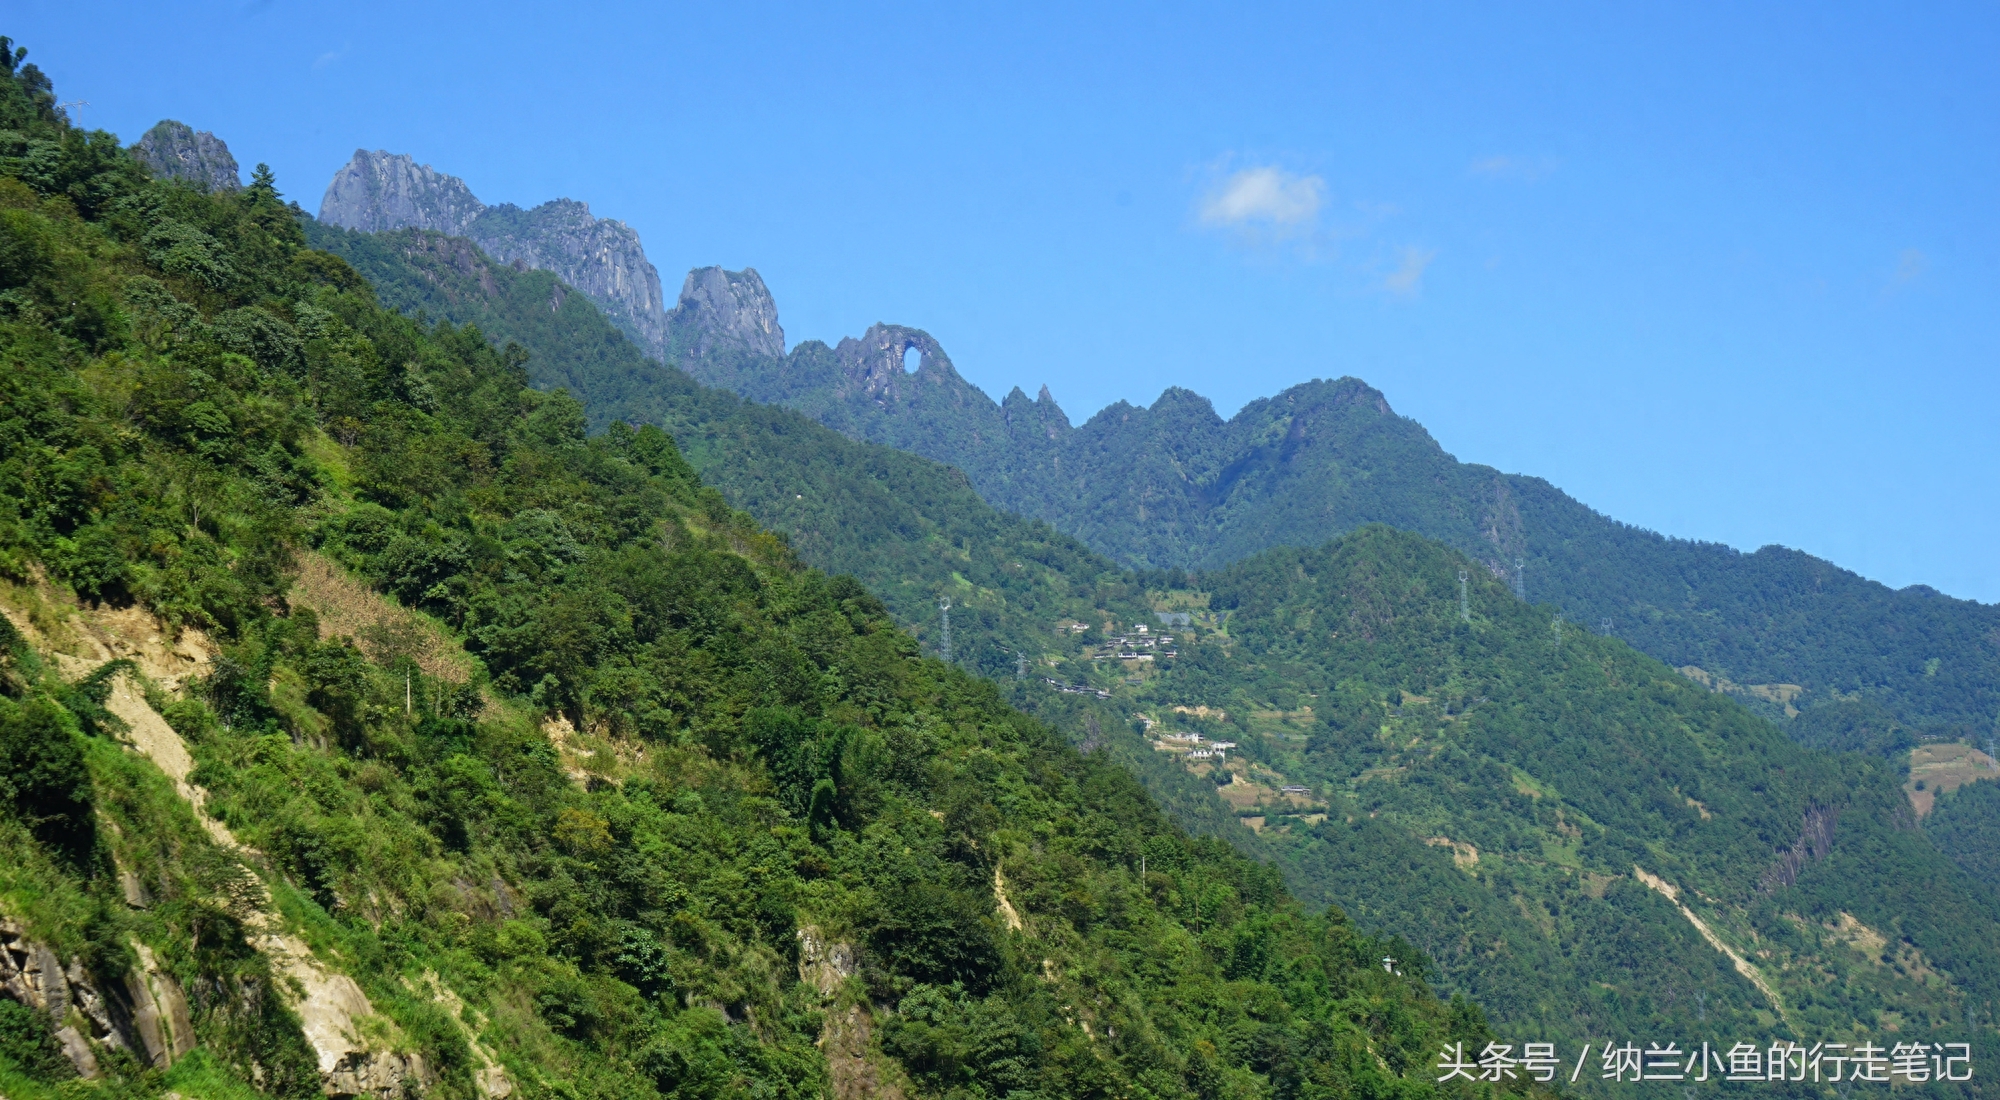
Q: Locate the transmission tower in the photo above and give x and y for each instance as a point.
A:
(944, 622)
(1604, 628)
(1020, 665)
(1464, 604)
(1556, 624)
(1521, 578)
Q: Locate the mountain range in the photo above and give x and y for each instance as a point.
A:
(599, 256)
(1175, 486)
(1469, 787)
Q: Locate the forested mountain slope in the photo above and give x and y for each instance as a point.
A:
(602, 257)
(1175, 485)
(371, 729)
(1511, 793)
(912, 529)
(1557, 762)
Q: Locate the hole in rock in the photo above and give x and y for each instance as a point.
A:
(911, 358)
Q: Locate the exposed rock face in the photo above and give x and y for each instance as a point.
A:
(824, 964)
(175, 150)
(602, 257)
(378, 191)
(854, 1072)
(873, 365)
(724, 310)
(148, 1017)
(599, 256)
(159, 1011)
(31, 974)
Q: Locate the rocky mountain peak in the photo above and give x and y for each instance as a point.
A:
(175, 150)
(600, 256)
(873, 364)
(380, 191)
(725, 310)
(1041, 415)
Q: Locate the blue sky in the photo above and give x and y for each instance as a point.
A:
(1730, 272)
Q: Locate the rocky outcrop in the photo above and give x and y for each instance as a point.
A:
(599, 256)
(376, 1075)
(724, 310)
(175, 150)
(824, 964)
(872, 366)
(602, 257)
(146, 1015)
(855, 1069)
(1815, 843)
(159, 1011)
(31, 974)
(380, 191)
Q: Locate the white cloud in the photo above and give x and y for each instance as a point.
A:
(1408, 277)
(1264, 195)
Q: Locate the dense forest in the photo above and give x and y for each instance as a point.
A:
(1487, 777)
(605, 794)
(1965, 825)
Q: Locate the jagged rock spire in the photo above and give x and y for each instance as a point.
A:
(379, 191)
(602, 257)
(725, 310)
(175, 150)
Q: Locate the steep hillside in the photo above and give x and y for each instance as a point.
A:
(1531, 901)
(1547, 812)
(604, 794)
(567, 341)
(1175, 485)
(910, 529)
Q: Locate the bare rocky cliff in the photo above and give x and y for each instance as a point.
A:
(144, 1015)
(379, 191)
(725, 310)
(599, 256)
(175, 150)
